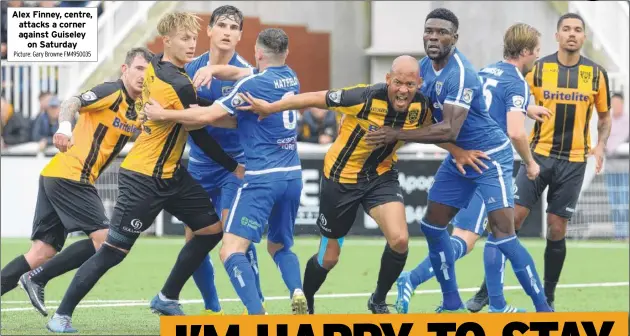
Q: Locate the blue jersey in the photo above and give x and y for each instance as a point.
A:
(228, 139)
(459, 84)
(271, 144)
(504, 90)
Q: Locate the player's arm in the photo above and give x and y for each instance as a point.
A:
(535, 112)
(203, 76)
(604, 121)
(187, 96)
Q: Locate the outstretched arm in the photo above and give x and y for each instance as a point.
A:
(193, 117)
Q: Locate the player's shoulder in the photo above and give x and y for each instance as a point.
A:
(101, 91)
(170, 74)
(585, 61)
(459, 67)
(549, 59)
(239, 61)
(197, 62)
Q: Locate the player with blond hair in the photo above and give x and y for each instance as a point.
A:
(152, 179)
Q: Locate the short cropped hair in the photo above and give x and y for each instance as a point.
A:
(617, 95)
(172, 22)
(569, 16)
(144, 52)
(228, 11)
(273, 40)
(444, 14)
(519, 37)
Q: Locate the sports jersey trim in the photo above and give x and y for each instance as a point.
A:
(193, 159)
(272, 170)
(462, 73)
(457, 103)
(482, 212)
(232, 211)
(235, 90)
(501, 183)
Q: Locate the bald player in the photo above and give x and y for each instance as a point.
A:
(356, 173)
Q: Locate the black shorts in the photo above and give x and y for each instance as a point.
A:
(564, 179)
(339, 202)
(65, 206)
(141, 198)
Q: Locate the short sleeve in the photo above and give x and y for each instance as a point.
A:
(461, 88)
(349, 100)
(233, 99)
(99, 97)
(602, 97)
(517, 97)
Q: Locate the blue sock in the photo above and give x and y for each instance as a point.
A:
(204, 279)
(424, 271)
(289, 267)
(252, 257)
(443, 260)
(525, 270)
(243, 279)
(493, 262)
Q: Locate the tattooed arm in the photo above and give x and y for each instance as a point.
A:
(69, 110)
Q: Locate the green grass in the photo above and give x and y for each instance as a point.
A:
(144, 271)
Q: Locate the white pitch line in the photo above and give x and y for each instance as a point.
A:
(135, 303)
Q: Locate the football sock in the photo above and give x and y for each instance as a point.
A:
(188, 260)
(392, 263)
(204, 279)
(314, 277)
(242, 277)
(424, 271)
(289, 267)
(88, 275)
(555, 253)
(524, 268)
(11, 273)
(494, 261)
(252, 257)
(72, 257)
(442, 259)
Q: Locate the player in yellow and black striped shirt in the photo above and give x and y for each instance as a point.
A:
(356, 173)
(151, 179)
(67, 199)
(572, 88)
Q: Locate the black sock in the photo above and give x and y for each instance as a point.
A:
(392, 264)
(189, 259)
(314, 277)
(88, 275)
(555, 252)
(70, 258)
(11, 273)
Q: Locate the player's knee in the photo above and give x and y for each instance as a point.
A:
(188, 234)
(232, 244)
(520, 213)
(273, 248)
(213, 229)
(329, 252)
(556, 227)
(399, 242)
(98, 237)
(39, 253)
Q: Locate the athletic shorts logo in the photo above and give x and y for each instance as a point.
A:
(136, 224)
(514, 188)
(322, 220)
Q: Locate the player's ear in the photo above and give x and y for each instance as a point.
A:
(209, 31)
(388, 78)
(123, 68)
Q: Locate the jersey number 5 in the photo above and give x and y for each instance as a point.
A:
(487, 94)
(289, 117)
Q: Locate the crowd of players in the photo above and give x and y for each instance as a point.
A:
(172, 98)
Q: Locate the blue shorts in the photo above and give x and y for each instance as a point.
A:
(258, 204)
(452, 188)
(473, 218)
(220, 184)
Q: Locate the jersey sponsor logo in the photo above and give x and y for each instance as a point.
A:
(289, 143)
(467, 96)
(573, 96)
(518, 101)
(89, 96)
(335, 96)
(124, 126)
(378, 110)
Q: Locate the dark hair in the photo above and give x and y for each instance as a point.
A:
(275, 40)
(569, 16)
(444, 14)
(144, 52)
(231, 12)
(617, 95)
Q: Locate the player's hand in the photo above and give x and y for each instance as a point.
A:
(203, 77)
(153, 110)
(470, 158)
(62, 142)
(239, 171)
(533, 169)
(538, 113)
(383, 136)
(598, 152)
(256, 105)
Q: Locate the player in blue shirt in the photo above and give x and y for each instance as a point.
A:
(273, 180)
(224, 30)
(454, 88)
(506, 95)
